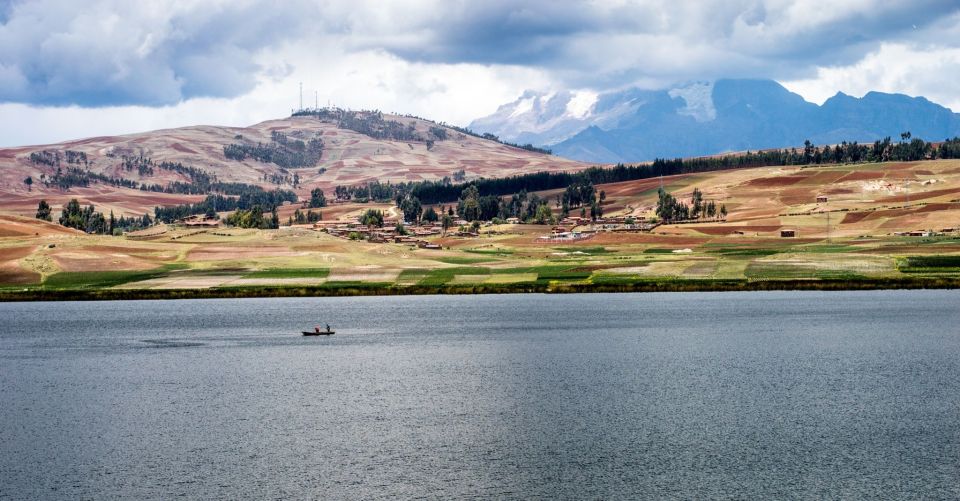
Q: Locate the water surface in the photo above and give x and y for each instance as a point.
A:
(689, 395)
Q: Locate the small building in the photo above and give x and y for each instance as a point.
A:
(200, 221)
(788, 233)
(821, 199)
(920, 233)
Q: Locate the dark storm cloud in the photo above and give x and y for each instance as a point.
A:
(680, 39)
(111, 52)
(58, 52)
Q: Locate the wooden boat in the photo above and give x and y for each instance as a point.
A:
(320, 333)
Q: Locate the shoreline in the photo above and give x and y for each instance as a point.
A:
(732, 285)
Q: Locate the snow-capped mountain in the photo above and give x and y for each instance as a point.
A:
(703, 118)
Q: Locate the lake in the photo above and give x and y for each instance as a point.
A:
(677, 395)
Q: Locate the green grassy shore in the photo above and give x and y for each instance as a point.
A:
(384, 289)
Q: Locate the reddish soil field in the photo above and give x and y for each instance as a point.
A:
(854, 217)
(13, 253)
(863, 175)
(717, 230)
(824, 178)
(775, 181)
(12, 274)
(923, 195)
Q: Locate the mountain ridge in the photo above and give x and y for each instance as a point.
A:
(705, 118)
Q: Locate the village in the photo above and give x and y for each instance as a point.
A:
(394, 230)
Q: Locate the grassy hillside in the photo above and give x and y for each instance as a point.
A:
(313, 151)
(868, 205)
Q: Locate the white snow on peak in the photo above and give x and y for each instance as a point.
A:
(699, 99)
(581, 103)
(523, 106)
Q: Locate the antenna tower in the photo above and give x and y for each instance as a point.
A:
(301, 95)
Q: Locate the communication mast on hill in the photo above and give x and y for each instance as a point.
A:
(301, 95)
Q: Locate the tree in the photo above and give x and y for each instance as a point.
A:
(371, 218)
(543, 214)
(112, 223)
(697, 202)
(72, 215)
(411, 209)
(317, 198)
(274, 219)
(447, 222)
(43, 211)
(430, 215)
(29, 182)
(723, 211)
(596, 211)
(469, 206)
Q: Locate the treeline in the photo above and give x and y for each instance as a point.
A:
(282, 150)
(433, 192)
(200, 181)
(670, 209)
(374, 190)
(143, 164)
(372, 123)
(75, 176)
(300, 217)
(87, 219)
(492, 137)
(53, 157)
(265, 200)
(254, 217)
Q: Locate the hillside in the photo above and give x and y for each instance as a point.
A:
(634, 125)
(117, 168)
(854, 235)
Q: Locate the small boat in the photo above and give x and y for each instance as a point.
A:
(319, 333)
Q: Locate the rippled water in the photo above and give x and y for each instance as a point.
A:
(750, 395)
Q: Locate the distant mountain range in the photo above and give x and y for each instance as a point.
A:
(705, 118)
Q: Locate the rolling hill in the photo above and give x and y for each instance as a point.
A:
(131, 174)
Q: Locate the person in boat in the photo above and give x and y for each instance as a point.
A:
(316, 328)
(328, 327)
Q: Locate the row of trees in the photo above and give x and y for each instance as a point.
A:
(53, 158)
(317, 198)
(471, 206)
(253, 217)
(266, 200)
(443, 191)
(87, 219)
(283, 151)
(75, 176)
(300, 217)
(492, 137)
(372, 123)
(669, 208)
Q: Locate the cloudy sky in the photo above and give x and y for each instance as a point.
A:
(78, 68)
